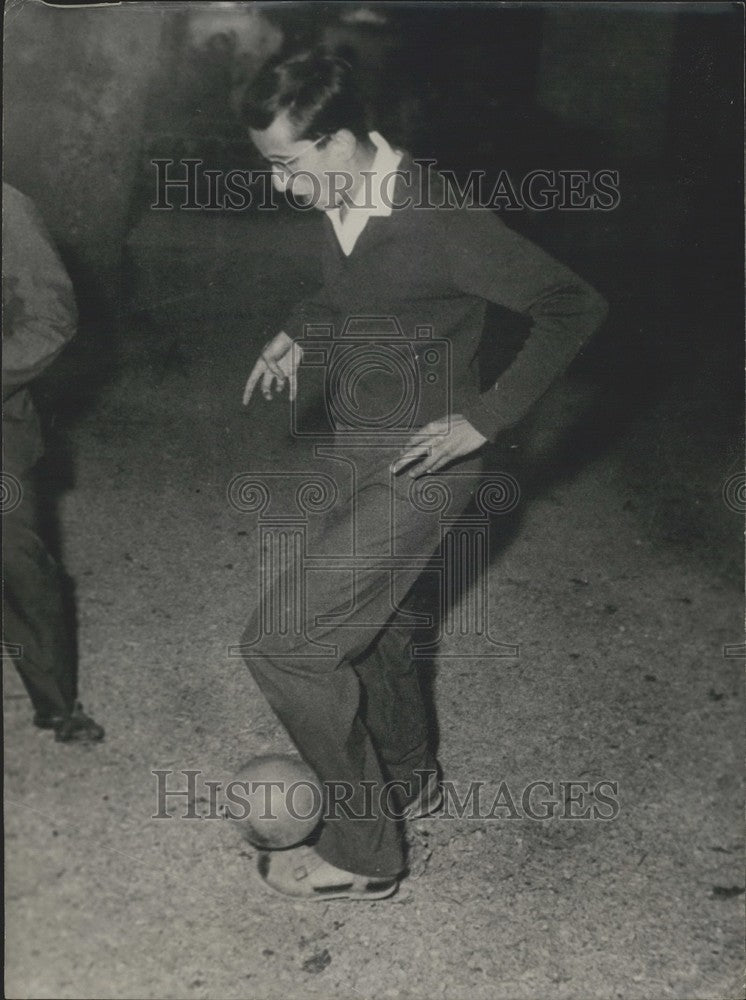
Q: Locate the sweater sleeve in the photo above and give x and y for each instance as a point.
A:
(314, 304)
(312, 308)
(489, 260)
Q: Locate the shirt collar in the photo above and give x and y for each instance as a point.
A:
(372, 199)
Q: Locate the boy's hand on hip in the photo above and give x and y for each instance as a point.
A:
(278, 363)
(437, 444)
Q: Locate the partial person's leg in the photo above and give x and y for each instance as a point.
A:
(395, 712)
(35, 621)
(319, 700)
(320, 713)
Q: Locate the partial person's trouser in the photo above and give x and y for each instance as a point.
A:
(358, 717)
(37, 633)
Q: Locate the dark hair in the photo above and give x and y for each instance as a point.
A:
(318, 91)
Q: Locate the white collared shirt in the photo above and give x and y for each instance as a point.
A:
(373, 199)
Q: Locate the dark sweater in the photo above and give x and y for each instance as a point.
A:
(439, 267)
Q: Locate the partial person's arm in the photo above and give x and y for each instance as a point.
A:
(489, 260)
(312, 309)
(39, 312)
(280, 358)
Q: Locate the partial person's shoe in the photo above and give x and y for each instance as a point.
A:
(300, 872)
(428, 800)
(77, 727)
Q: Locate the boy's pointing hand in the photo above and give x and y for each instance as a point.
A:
(277, 364)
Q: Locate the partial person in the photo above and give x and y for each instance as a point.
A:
(39, 318)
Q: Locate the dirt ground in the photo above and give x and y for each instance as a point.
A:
(621, 585)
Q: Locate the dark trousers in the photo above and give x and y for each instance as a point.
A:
(358, 717)
(37, 632)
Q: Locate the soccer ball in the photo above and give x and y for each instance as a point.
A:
(275, 800)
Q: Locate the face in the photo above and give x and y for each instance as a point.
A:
(300, 166)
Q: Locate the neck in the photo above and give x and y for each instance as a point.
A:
(365, 154)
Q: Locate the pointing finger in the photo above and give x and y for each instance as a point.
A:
(256, 373)
(267, 379)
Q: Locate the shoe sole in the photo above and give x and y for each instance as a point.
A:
(358, 889)
(325, 895)
(79, 738)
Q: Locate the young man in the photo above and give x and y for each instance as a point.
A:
(359, 718)
(39, 318)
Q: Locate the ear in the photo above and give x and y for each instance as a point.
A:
(344, 143)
